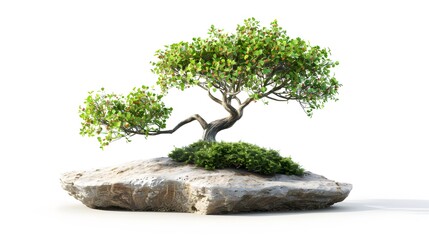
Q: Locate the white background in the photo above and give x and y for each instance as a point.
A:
(375, 137)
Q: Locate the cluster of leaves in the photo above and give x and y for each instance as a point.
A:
(218, 155)
(262, 62)
(111, 116)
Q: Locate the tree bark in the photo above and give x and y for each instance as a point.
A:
(213, 128)
(216, 126)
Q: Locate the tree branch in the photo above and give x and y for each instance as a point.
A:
(214, 98)
(201, 85)
(279, 100)
(233, 93)
(273, 90)
(237, 99)
(197, 117)
(226, 103)
(244, 104)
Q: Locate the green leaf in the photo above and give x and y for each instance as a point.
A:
(266, 71)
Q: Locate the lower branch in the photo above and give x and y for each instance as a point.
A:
(186, 121)
(197, 117)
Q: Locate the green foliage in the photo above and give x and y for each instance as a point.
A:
(111, 116)
(262, 62)
(218, 155)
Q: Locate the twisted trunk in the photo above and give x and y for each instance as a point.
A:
(216, 126)
(212, 129)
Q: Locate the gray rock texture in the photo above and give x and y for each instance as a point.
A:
(164, 185)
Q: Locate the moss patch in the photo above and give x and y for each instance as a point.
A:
(240, 155)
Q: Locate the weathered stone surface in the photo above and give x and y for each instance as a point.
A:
(164, 185)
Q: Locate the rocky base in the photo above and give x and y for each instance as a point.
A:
(164, 185)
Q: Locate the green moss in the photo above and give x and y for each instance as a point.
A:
(240, 155)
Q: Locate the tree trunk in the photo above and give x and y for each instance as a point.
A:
(216, 126)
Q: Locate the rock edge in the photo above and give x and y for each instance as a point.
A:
(161, 184)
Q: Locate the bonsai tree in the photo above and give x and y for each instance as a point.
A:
(235, 69)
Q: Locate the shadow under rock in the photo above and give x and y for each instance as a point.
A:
(394, 205)
(403, 205)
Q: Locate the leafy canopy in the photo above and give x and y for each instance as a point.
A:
(254, 63)
(265, 63)
(112, 116)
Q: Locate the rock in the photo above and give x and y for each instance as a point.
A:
(164, 185)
